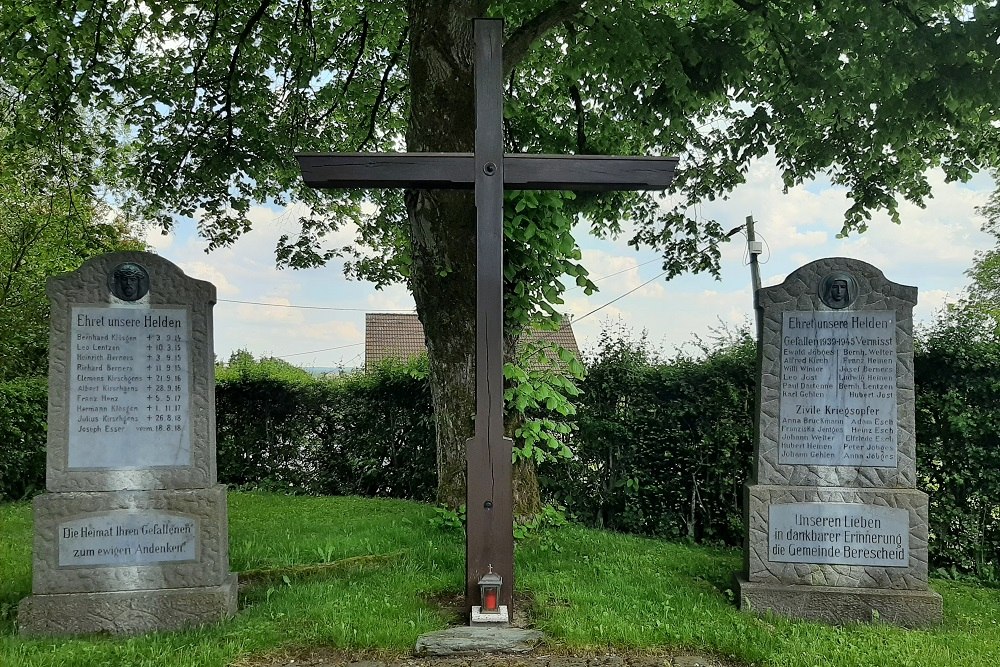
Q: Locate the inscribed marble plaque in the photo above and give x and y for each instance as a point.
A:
(839, 534)
(838, 389)
(129, 388)
(123, 538)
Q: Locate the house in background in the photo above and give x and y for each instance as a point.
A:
(401, 336)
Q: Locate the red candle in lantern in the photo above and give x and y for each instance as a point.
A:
(489, 592)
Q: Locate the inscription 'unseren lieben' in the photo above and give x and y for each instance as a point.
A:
(838, 533)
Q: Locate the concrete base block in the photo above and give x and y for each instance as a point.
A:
(840, 605)
(478, 617)
(126, 612)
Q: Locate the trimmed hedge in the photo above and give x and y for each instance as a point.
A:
(663, 449)
(362, 434)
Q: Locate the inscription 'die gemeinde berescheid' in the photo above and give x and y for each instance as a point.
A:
(129, 394)
(838, 388)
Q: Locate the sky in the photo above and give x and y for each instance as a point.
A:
(316, 316)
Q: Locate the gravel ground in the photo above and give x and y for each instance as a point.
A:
(539, 658)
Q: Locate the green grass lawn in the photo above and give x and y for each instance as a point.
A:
(355, 574)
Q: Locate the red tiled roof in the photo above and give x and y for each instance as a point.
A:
(401, 336)
(392, 336)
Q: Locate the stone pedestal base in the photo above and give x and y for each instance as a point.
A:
(478, 617)
(836, 605)
(106, 541)
(126, 612)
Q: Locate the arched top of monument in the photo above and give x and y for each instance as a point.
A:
(136, 278)
(838, 283)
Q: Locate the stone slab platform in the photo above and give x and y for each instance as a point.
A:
(477, 639)
(837, 606)
(126, 612)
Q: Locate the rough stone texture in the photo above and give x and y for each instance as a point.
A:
(168, 286)
(835, 593)
(839, 605)
(210, 569)
(181, 581)
(762, 570)
(127, 612)
(479, 639)
(799, 292)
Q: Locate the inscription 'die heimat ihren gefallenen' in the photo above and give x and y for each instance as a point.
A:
(838, 389)
(129, 395)
(128, 538)
(839, 534)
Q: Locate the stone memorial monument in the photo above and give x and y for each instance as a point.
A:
(837, 531)
(132, 535)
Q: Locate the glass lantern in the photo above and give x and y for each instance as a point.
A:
(489, 592)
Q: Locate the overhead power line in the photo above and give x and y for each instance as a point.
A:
(410, 310)
(325, 349)
(287, 305)
(617, 298)
(731, 232)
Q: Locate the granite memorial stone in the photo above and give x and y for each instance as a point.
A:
(132, 535)
(837, 530)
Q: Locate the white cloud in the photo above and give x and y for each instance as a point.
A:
(157, 240)
(931, 249)
(391, 298)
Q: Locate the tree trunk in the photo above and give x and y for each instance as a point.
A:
(443, 237)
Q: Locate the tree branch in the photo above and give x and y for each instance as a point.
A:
(361, 52)
(393, 61)
(353, 71)
(241, 40)
(20, 28)
(521, 40)
(581, 134)
(748, 7)
(909, 13)
(204, 52)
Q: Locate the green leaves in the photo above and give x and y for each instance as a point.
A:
(957, 368)
(48, 225)
(206, 102)
(195, 110)
(538, 393)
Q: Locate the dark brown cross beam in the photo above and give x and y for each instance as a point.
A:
(489, 533)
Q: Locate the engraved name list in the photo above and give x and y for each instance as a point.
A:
(838, 389)
(129, 395)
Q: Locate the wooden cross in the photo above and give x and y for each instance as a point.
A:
(489, 536)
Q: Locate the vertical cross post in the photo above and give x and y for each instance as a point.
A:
(489, 495)
(489, 492)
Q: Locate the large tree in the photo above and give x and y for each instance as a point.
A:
(984, 289)
(50, 223)
(210, 99)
